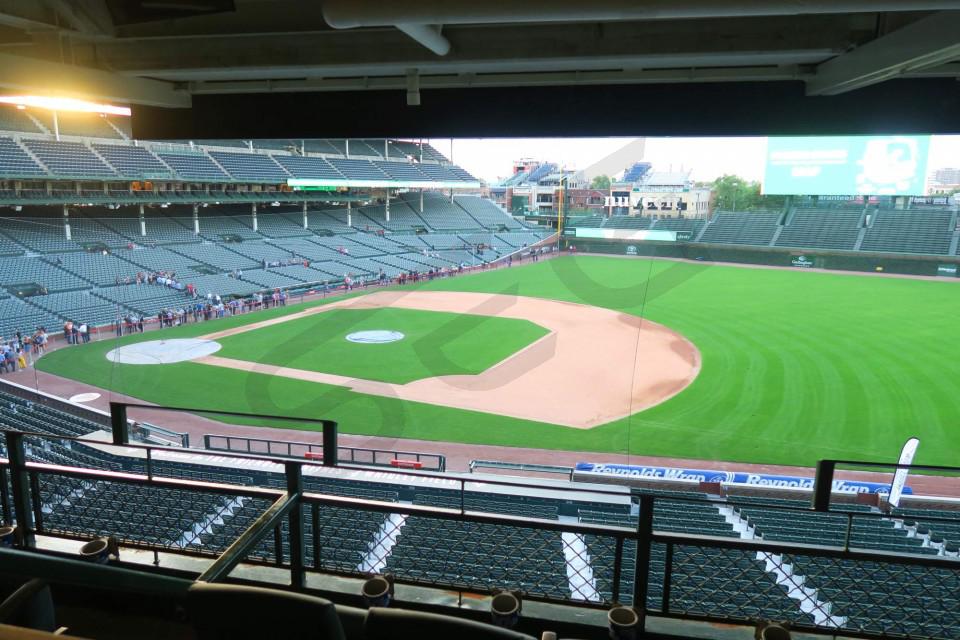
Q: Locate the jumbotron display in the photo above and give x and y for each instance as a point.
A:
(847, 165)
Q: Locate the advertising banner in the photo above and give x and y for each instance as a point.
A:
(737, 477)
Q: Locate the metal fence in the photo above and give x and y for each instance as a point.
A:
(390, 458)
(858, 591)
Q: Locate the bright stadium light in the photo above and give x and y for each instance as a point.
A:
(64, 104)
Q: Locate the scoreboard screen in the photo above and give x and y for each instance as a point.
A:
(894, 165)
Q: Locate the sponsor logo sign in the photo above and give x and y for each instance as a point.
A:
(736, 477)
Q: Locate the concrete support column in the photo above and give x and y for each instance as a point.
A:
(306, 220)
(66, 223)
(196, 220)
(349, 215)
(421, 200)
(387, 208)
(253, 214)
(143, 222)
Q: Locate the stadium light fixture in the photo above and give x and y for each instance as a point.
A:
(64, 104)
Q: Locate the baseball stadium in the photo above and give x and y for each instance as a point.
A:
(377, 386)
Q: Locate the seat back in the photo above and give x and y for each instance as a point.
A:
(221, 612)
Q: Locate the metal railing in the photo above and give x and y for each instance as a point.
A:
(824, 588)
(389, 458)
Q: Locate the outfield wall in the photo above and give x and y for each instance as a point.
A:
(920, 265)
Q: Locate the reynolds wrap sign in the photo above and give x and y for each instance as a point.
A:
(737, 477)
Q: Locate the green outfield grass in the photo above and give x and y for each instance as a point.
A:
(434, 344)
(797, 366)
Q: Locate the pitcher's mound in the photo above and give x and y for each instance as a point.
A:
(163, 351)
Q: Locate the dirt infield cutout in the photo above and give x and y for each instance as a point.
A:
(582, 374)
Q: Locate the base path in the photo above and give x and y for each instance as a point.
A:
(594, 366)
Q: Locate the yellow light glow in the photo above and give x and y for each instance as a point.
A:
(64, 104)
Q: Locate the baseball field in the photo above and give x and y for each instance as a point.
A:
(626, 355)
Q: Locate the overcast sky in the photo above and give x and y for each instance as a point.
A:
(491, 158)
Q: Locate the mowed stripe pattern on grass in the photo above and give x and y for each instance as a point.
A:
(796, 366)
(434, 343)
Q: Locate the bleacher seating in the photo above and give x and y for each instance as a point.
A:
(18, 315)
(250, 166)
(34, 270)
(88, 232)
(15, 162)
(10, 248)
(43, 235)
(276, 225)
(439, 213)
(438, 172)
(636, 171)
(79, 306)
(216, 255)
(147, 299)
(94, 267)
(401, 170)
(69, 159)
(742, 227)
(131, 161)
(822, 229)
(628, 222)
(155, 259)
(925, 231)
(358, 169)
(402, 217)
(691, 225)
(193, 166)
(216, 227)
(308, 167)
(486, 213)
(70, 123)
(13, 119)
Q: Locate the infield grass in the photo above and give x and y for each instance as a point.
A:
(433, 343)
(796, 366)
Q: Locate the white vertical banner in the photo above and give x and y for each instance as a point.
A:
(900, 477)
